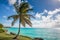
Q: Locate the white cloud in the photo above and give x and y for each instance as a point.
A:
(54, 11)
(8, 20)
(47, 22)
(12, 1)
(57, 21)
(45, 11)
(7, 23)
(19, 1)
(43, 24)
(4, 16)
(37, 15)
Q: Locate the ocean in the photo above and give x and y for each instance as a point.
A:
(45, 33)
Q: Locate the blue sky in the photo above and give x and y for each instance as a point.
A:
(43, 10)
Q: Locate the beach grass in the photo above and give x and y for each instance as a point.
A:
(4, 36)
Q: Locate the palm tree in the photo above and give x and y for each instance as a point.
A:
(21, 15)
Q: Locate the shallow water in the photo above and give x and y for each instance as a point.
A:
(45, 33)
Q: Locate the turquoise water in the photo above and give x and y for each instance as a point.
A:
(45, 33)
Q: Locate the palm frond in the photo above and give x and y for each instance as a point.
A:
(28, 22)
(23, 7)
(31, 16)
(13, 22)
(16, 7)
(15, 17)
(29, 9)
(28, 16)
(10, 17)
(22, 21)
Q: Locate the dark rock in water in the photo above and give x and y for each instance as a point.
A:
(37, 39)
(12, 33)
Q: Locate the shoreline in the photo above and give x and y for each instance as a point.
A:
(5, 36)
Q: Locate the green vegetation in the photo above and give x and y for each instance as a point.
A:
(1, 30)
(4, 36)
(1, 26)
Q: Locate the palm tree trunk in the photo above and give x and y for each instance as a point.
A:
(18, 32)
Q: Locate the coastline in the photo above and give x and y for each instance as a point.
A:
(5, 36)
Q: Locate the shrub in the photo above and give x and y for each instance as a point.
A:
(1, 30)
(1, 26)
